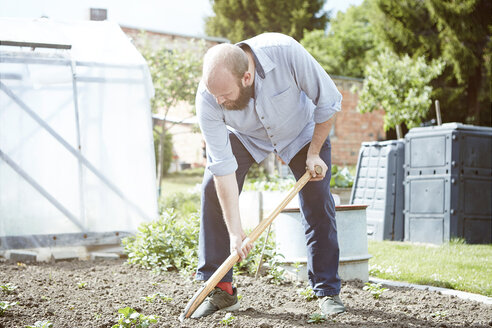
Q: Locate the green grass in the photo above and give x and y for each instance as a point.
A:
(181, 181)
(454, 265)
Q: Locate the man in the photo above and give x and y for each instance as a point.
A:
(266, 94)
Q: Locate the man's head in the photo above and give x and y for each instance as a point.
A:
(226, 76)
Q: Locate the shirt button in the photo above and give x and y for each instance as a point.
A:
(268, 128)
(274, 144)
(262, 117)
(271, 136)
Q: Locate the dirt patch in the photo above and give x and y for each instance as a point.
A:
(52, 292)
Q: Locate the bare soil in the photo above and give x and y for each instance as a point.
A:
(49, 291)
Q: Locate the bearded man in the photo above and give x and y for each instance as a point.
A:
(266, 94)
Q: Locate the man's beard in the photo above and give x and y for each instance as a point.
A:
(245, 94)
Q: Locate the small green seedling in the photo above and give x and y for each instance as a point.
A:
(440, 314)
(130, 318)
(375, 289)
(307, 293)
(81, 284)
(228, 319)
(151, 298)
(4, 306)
(41, 324)
(8, 288)
(316, 318)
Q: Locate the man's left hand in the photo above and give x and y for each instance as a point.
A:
(311, 162)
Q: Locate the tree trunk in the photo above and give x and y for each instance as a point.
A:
(398, 132)
(473, 90)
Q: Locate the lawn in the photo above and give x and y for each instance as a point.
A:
(454, 265)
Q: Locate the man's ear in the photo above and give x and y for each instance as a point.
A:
(246, 80)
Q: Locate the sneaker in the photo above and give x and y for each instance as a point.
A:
(331, 305)
(217, 300)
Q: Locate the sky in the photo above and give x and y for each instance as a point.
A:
(174, 16)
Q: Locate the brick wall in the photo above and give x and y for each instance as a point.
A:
(351, 128)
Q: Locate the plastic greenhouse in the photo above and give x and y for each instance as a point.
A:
(77, 160)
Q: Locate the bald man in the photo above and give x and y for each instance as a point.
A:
(266, 94)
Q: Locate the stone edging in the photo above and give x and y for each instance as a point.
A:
(446, 291)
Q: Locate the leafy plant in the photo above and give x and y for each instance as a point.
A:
(307, 293)
(401, 87)
(41, 324)
(5, 305)
(8, 288)
(228, 319)
(375, 289)
(166, 243)
(439, 314)
(151, 298)
(276, 273)
(184, 203)
(341, 178)
(81, 284)
(130, 318)
(316, 318)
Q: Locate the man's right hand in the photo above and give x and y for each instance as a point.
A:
(236, 241)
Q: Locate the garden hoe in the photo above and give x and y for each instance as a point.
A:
(209, 285)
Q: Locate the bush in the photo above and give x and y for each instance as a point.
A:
(170, 242)
(168, 149)
(183, 203)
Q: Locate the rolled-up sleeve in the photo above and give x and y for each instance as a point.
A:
(315, 82)
(220, 159)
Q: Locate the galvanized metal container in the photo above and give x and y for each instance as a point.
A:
(352, 239)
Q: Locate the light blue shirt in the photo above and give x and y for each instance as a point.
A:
(292, 93)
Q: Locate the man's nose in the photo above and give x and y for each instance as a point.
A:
(219, 100)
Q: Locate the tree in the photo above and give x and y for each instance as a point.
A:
(459, 32)
(175, 74)
(401, 87)
(237, 20)
(348, 47)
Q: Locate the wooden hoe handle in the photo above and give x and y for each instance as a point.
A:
(210, 284)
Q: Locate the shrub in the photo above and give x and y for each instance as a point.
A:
(167, 243)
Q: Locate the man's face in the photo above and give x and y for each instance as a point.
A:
(230, 92)
(242, 100)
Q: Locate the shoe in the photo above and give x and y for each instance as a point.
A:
(331, 305)
(217, 300)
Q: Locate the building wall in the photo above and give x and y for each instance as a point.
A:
(351, 128)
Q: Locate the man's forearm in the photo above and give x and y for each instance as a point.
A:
(228, 194)
(321, 131)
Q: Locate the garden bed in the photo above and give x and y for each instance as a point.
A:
(89, 294)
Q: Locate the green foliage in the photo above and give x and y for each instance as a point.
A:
(316, 318)
(152, 298)
(5, 305)
(457, 31)
(184, 203)
(41, 324)
(307, 293)
(401, 87)
(348, 47)
(130, 318)
(376, 290)
(341, 178)
(8, 288)
(239, 20)
(175, 72)
(169, 242)
(81, 285)
(228, 320)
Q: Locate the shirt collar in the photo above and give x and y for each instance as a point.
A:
(263, 64)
